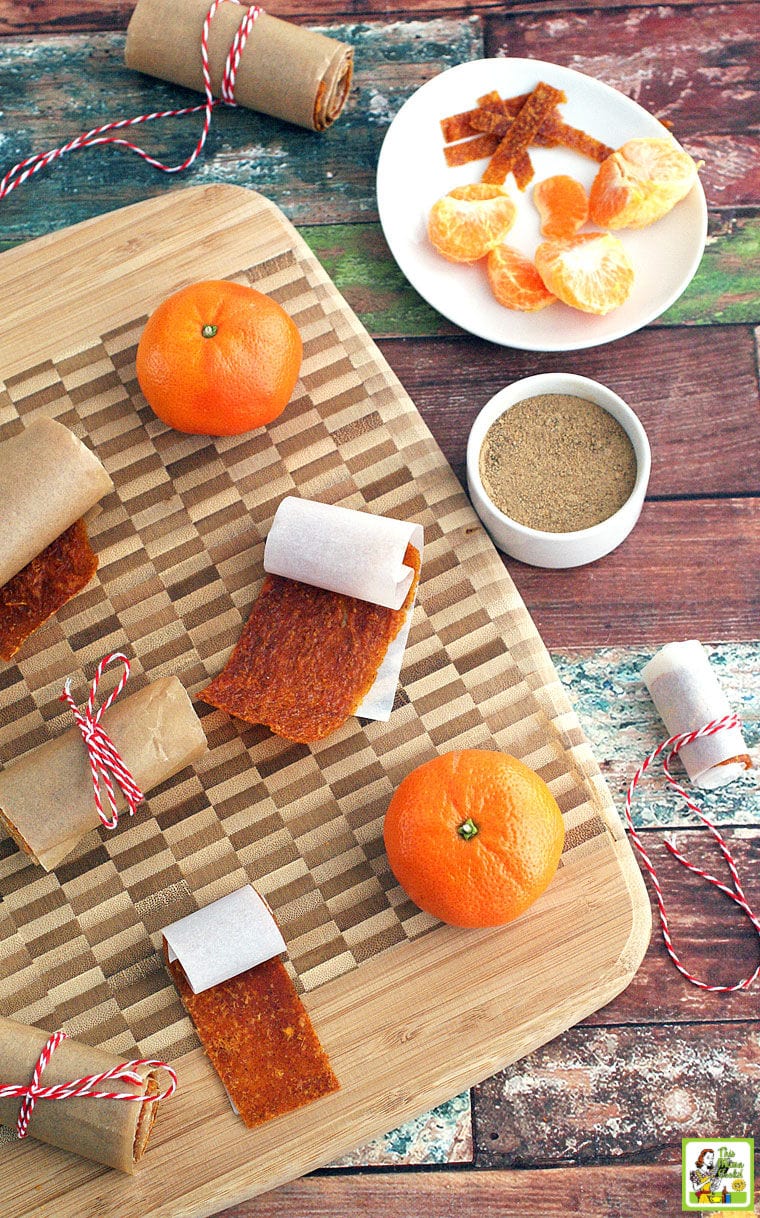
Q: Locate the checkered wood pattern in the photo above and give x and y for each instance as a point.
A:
(180, 543)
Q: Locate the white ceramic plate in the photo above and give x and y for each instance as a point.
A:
(412, 174)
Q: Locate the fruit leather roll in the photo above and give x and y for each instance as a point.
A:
(685, 690)
(46, 796)
(285, 70)
(112, 1132)
(48, 480)
(225, 962)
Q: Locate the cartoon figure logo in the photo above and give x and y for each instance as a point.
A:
(717, 1173)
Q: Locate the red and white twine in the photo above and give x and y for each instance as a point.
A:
(106, 766)
(33, 164)
(82, 1088)
(671, 747)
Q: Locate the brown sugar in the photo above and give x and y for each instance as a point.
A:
(558, 463)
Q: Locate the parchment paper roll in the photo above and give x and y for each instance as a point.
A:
(687, 695)
(48, 480)
(285, 70)
(223, 939)
(353, 553)
(46, 797)
(108, 1131)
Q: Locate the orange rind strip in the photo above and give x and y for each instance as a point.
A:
(471, 150)
(521, 131)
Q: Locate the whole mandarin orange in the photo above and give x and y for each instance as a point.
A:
(474, 837)
(218, 358)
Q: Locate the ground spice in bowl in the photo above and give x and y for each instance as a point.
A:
(558, 463)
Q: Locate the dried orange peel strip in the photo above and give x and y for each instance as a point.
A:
(521, 131)
(258, 1037)
(470, 150)
(554, 133)
(493, 116)
(44, 586)
(307, 657)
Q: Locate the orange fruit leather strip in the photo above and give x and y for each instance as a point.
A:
(258, 1037)
(516, 140)
(306, 657)
(44, 586)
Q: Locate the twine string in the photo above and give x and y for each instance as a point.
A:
(98, 135)
(106, 765)
(669, 749)
(82, 1088)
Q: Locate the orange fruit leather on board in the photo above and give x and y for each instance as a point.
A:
(307, 657)
(562, 204)
(44, 586)
(218, 358)
(591, 272)
(258, 1037)
(515, 282)
(474, 837)
(469, 221)
(640, 183)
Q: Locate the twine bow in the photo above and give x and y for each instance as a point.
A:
(81, 1088)
(672, 746)
(33, 164)
(106, 766)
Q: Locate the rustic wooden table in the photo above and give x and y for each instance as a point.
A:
(592, 1123)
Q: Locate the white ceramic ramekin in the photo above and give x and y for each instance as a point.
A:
(535, 546)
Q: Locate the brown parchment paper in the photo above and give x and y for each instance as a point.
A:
(48, 479)
(286, 70)
(46, 797)
(108, 1131)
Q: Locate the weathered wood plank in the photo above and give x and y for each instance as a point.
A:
(697, 66)
(617, 1191)
(67, 16)
(696, 397)
(314, 178)
(331, 178)
(610, 1094)
(712, 937)
(623, 727)
(689, 569)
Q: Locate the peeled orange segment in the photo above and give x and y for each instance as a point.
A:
(640, 183)
(515, 282)
(592, 272)
(562, 204)
(470, 220)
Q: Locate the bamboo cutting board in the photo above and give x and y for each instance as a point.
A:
(410, 1011)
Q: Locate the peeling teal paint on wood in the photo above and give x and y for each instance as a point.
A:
(622, 725)
(443, 1135)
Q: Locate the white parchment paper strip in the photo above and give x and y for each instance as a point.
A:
(353, 553)
(687, 695)
(224, 939)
